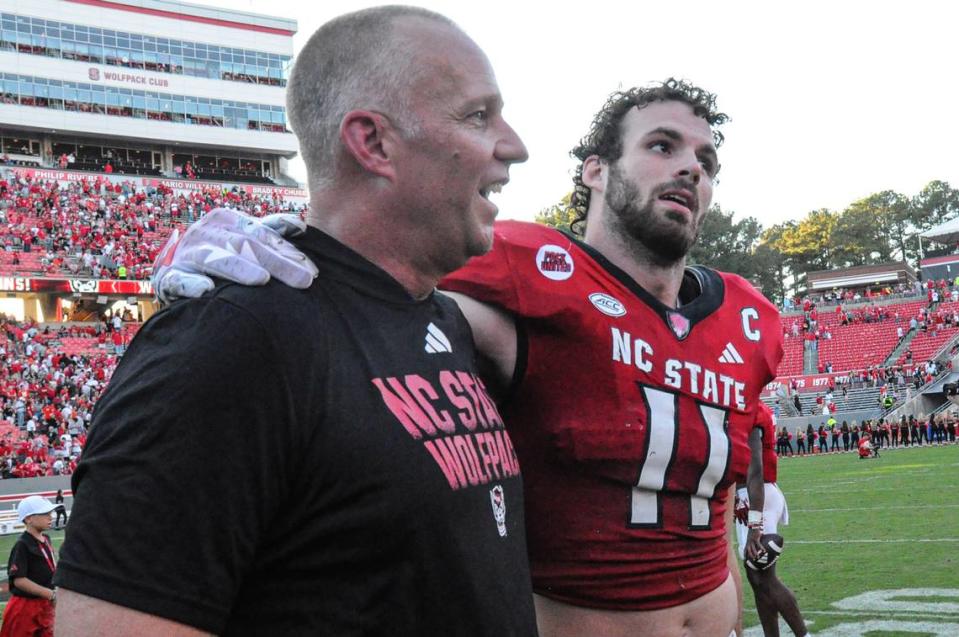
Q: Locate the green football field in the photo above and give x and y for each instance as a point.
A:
(871, 548)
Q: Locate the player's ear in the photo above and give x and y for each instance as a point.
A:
(594, 173)
(367, 138)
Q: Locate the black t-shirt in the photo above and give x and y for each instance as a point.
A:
(28, 559)
(317, 462)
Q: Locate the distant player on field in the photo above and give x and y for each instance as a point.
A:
(866, 448)
(773, 598)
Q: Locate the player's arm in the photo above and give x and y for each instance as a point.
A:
(494, 333)
(79, 615)
(27, 585)
(732, 560)
(755, 488)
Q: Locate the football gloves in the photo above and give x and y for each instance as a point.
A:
(231, 245)
(741, 506)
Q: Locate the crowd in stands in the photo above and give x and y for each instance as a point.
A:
(849, 295)
(895, 383)
(50, 378)
(99, 229)
(867, 335)
(47, 393)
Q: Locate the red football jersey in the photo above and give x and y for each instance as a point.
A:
(631, 419)
(767, 421)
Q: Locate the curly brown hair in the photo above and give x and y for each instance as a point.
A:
(605, 138)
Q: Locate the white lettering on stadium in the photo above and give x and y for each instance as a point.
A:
(129, 78)
(685, 376)
(14, 284)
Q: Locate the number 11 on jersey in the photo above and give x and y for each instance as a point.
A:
(662, 442)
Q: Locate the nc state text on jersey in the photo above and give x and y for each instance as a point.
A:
(692, 378)
(468, 443)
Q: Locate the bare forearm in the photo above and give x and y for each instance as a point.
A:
(733, 562)
(754, 475)
(27, 585)
(80, 616)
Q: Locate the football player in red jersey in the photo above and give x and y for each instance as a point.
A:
(630, 381)
(636, 378)
(767, 511)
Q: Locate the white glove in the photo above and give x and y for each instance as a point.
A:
(234, 246)
(741, 506)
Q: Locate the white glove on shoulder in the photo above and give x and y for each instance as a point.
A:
(231, 245)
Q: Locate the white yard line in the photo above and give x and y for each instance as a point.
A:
(863, 613)
(933, 540)
(910, 507)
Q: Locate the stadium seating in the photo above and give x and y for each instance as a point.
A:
(858, 346)
(91, 227)
(865, 343)
(792, 362)
(855, 399)
(49, 381)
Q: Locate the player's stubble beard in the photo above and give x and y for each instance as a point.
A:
(666, 241)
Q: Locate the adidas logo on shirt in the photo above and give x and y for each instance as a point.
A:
(436, 341)
(730, 355)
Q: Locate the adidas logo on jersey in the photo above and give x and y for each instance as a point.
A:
(436, 341)
(730, 355)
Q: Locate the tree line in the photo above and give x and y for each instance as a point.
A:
(880, 228)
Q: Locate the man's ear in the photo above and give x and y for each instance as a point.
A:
(367, 137)
(594, 173)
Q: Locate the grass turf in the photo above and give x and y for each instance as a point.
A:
(860, 526)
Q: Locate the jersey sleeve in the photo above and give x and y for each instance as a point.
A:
(770, 339)
(17, 566)
(185, 468)
(488, 278)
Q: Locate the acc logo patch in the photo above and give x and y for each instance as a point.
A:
(607, 304)
(554, 262)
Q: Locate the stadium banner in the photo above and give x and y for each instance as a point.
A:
(76, 286)
(815, 382)
(62, 175)
(180, 186)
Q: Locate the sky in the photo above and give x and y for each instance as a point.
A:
(830, 101)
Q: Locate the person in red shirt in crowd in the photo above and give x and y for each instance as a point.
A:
(118, 342)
